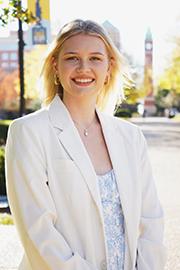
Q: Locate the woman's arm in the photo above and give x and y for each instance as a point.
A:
(151, 252)
(32, 205)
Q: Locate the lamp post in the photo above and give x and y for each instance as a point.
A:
(21, 66)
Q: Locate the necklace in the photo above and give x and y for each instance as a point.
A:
(85, 130)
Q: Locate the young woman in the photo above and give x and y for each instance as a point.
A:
(79, 182)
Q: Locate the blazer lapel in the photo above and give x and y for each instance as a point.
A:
(70, 139)
(121, 160)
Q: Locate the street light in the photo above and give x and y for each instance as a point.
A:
(21, 67)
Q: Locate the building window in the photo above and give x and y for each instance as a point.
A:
(4, 56)
(13, 56)
(13, 65)
(5, 65)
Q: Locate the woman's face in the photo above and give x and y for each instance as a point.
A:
(82, 65)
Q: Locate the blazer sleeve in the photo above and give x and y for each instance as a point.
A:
(151, 254)
(32, 205)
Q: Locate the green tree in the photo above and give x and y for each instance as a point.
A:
(14, 11)
(168, 94)
(133, 90)
(170, 79)
(130, 91)
(166, 98)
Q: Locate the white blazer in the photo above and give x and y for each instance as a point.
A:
(53, 193)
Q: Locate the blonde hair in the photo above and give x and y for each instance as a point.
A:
(71, 29)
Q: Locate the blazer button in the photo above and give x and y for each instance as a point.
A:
(103, 265)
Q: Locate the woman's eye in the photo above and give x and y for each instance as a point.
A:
(95, 58)
(72, 58)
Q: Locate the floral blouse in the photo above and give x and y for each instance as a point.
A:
(113, 220)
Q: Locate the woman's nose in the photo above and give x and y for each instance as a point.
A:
(83, 65)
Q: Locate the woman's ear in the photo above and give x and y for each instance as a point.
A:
(54, 63)
(109, 70)
(110, 65)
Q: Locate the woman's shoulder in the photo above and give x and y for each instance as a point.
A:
(34, 119)
(34, 122)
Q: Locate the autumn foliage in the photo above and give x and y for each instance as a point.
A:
(9, 82)
(8, 93)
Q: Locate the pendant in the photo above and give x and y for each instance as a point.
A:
(85, 132)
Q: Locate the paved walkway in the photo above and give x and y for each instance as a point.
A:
(164, 149)
(10, 248)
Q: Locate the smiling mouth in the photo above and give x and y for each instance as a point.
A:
(83, 82)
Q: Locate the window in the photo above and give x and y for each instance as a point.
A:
(13, 65)
(4, 56)
(5, 65)
(13, 56)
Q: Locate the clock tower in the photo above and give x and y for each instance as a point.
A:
(149, 102)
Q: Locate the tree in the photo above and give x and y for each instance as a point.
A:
(9, 82)
(33, 63)
(9, 97)
(133, 81)
(168, 94)
(130, 91)
(132, 86)
(15, 11)
(10, 13)
(170, 79)
(166, 98)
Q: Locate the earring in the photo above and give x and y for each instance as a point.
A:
(56, 79)
(107, 80)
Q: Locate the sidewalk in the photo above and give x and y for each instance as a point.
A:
(10, 248)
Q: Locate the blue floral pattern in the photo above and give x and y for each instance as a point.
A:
(113, 220)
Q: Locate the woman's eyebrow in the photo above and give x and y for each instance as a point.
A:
(99, 53)
(70, 53)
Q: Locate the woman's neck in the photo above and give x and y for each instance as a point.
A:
(82, 112)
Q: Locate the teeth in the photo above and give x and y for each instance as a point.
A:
(83, 80)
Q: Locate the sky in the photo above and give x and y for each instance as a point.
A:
(132, 18)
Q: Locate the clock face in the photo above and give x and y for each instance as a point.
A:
(149, 46)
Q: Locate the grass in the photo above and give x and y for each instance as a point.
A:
(5, 122)
(177, 117)
(6, 219)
